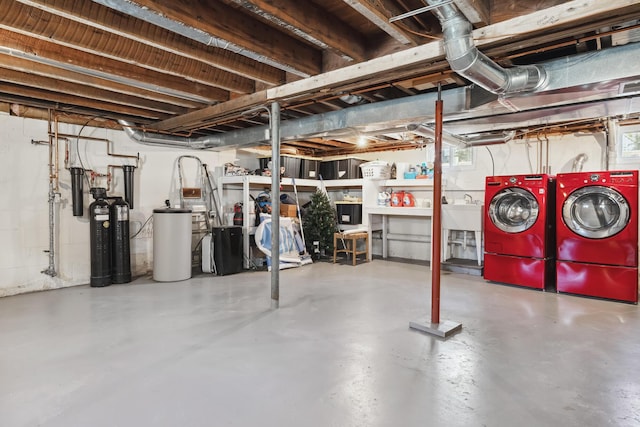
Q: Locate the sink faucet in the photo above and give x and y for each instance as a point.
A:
(468, 196)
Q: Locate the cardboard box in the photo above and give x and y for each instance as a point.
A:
(288, 210)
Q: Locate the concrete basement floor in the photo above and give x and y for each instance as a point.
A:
(338, 352)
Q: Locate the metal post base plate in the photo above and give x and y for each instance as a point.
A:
(443, 329)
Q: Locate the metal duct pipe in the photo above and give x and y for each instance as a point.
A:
(462, 141)
(466, 60)
(208, 141)
(487, 139)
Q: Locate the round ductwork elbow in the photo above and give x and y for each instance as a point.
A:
(465, 59)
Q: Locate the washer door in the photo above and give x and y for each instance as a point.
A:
(513, 210)
(596, 212)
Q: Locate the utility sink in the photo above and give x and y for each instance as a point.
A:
(462, 217)
(465, 217)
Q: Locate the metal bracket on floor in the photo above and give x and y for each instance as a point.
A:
(443, 329)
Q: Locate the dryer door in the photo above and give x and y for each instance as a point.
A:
(513, 210)
(595, 212)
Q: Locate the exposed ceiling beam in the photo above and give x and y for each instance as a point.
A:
(24, 65)
(237, 32)
(41, 113)
(369, 10)
(312, 23)
(36, 22)
(45, 83)
(63, 101)
(72, 59)
(476, 11)
(558, 17)
(202, 118)
(106, 19)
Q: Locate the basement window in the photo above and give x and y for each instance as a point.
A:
(629, 144)
(452, 156)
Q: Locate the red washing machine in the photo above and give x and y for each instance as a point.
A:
(597, 234)
(519, 240)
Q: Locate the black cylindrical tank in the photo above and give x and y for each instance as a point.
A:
(120, 248)
(100, 239)
(128, 184)
(76, 190)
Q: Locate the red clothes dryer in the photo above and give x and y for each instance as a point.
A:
(518, 232)
(597, 234)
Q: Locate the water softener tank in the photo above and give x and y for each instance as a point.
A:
(120, 247)
(171, 244)
(100, 239)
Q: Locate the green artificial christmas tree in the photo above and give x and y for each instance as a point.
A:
(319, 224)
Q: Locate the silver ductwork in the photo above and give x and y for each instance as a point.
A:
(466, 60)
(428, 130)
(577, 88)
(157, 139)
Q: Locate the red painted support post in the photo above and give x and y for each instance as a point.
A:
(446, 328)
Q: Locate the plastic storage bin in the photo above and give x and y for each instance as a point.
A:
(349, 212)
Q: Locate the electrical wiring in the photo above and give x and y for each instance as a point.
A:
(493, 163)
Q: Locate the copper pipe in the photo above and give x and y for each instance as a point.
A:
(437, 217)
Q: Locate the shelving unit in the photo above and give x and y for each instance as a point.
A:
(378, 216)
(374, 217)
(247, 183)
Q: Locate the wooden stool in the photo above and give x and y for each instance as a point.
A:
(350, 243)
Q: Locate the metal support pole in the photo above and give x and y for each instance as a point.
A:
(435, 327)
(275, 205)
(436, 239)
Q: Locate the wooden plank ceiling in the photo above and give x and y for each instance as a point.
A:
(160, 63)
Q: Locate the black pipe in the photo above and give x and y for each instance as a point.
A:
(128, 184)
(76, 190)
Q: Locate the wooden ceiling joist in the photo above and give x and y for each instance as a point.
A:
(45, 83)
(64, 102)
(36, 69)
(313, 24)
(50, 53)
(55, 29)
(103, 18)
(195, 68)
(241, 30)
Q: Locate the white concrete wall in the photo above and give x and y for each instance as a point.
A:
(515, 157)
(24, 213)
